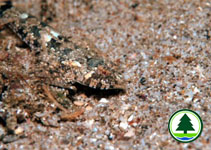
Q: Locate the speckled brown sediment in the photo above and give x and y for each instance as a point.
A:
(163, 47)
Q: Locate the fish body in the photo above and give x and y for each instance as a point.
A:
(62, 60)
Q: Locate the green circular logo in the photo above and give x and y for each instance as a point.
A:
(185, 125)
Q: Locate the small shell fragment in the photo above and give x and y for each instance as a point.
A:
(72, 63)
(19, 130)
(89, 75)
(78, 103)
(24, 15)
(47, 37)
(75, 64)
(54, 33)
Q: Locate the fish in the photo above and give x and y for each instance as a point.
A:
(63, 62)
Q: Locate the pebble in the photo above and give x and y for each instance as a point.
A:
(123, 125)
(41, 128)
(94, 129)
(93, 140)
(189, 97)
(110, 137)
(19, 130)
(130, 118)
(24, 16)
(89, 123)
(53, 121)
(109, 147)
(103, 100)
(152, 136)
(99, 136)
(130, 133)
(125, 107)
(78, 103)
(88, 108)
(196, 90)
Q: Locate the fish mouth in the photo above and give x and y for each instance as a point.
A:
(97, 92)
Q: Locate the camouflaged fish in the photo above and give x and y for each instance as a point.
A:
(64, 61)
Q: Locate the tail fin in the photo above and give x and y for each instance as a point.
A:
(4, 6)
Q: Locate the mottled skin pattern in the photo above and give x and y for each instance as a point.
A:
(62, 61)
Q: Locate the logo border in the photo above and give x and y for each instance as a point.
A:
(192, 112)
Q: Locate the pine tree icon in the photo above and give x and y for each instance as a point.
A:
(185, 124)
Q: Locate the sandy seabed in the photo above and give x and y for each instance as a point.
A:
(163, 48)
